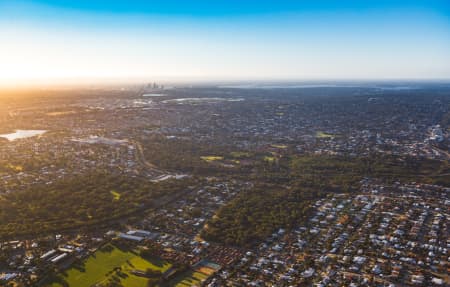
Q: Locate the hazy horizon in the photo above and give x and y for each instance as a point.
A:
(46, 42)
(180, 82)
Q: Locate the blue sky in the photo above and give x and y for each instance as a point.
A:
(224, 40)
(208, 8)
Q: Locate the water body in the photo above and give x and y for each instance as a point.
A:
(100, 140)
(287, 86)
(21, 134)
(202, 100)
(169, 176)
(154, 95)
(310, 86)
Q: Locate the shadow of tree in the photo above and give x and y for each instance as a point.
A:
(60, 280)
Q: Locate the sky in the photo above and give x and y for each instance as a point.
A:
(54, 41)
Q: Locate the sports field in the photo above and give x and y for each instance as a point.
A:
(195, 277)
(108, 264)
(188, 279)
(324, 135)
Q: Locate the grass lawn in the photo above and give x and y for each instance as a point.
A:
(17, 168)
(115, 194)
(324, 135)
(280, 146)
(269, 158)
(188, 279)
(211, 158)
(62, 113)
(99, 267)
(239, 154)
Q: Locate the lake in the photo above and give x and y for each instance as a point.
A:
(154, 95)
(21, 134)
